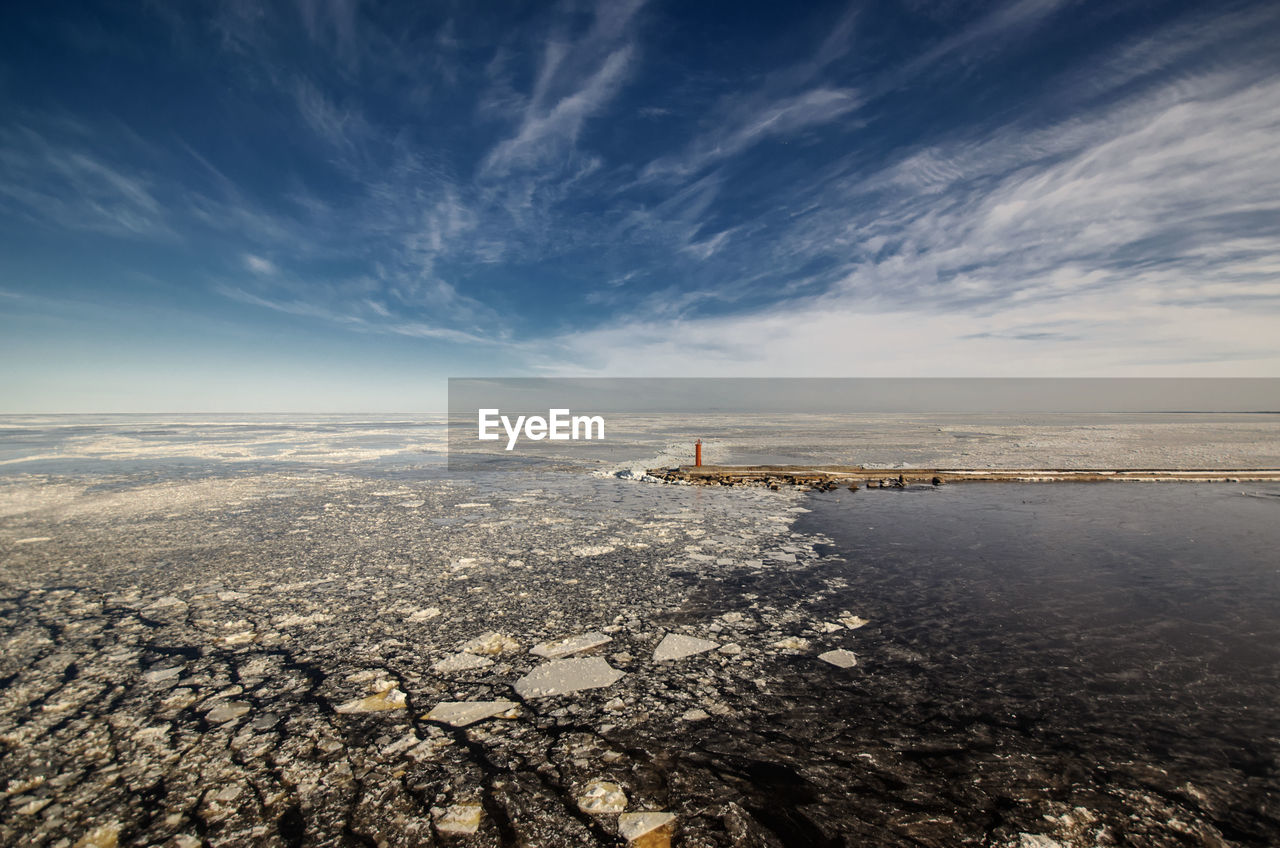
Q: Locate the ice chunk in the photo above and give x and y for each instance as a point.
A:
(168, 601)
(460, 819)
(675, 646)
(461, 662)
(102, 836)
(561, 677)
(601, 796)
(839, 658)
(229, 711)
(646, 830)
(389, 699)
(161, 674)
(571, 645)
(463, 713)
(491, 644)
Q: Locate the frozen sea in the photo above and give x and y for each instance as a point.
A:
(234, 630)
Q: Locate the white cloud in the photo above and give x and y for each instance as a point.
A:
(750, 123)
(258, 265)
(547, 134)
(344, 129)
(1102, 334)
(1139, 240)
(63, 182)
(365, 315)
(575, 80)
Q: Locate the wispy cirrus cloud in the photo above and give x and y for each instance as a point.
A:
(750, 122)
(548, 131)
(1001, 26)
(787, 101)
(345, 130)
(575, 79)
(369, 316)
(1137, 188)
(70, 185)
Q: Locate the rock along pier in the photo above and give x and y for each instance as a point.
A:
(828, 477)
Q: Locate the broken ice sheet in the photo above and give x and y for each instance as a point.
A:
(367, 590)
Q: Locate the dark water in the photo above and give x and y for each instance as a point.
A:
(1035, 651)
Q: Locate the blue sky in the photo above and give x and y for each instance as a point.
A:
(330, 205)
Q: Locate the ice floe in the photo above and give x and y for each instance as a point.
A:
(562, 677)
(646, 830)
(462, 661)
(839, 658)
(464, 713)
(571, 645)
(675, 646)
(602, 796)
(388, 699)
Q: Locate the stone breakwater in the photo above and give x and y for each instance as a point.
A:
(831, 477)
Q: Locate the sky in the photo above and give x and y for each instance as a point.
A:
(331, 205)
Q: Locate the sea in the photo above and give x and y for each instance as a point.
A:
(197, 609)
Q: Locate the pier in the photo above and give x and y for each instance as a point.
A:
(855, 476)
